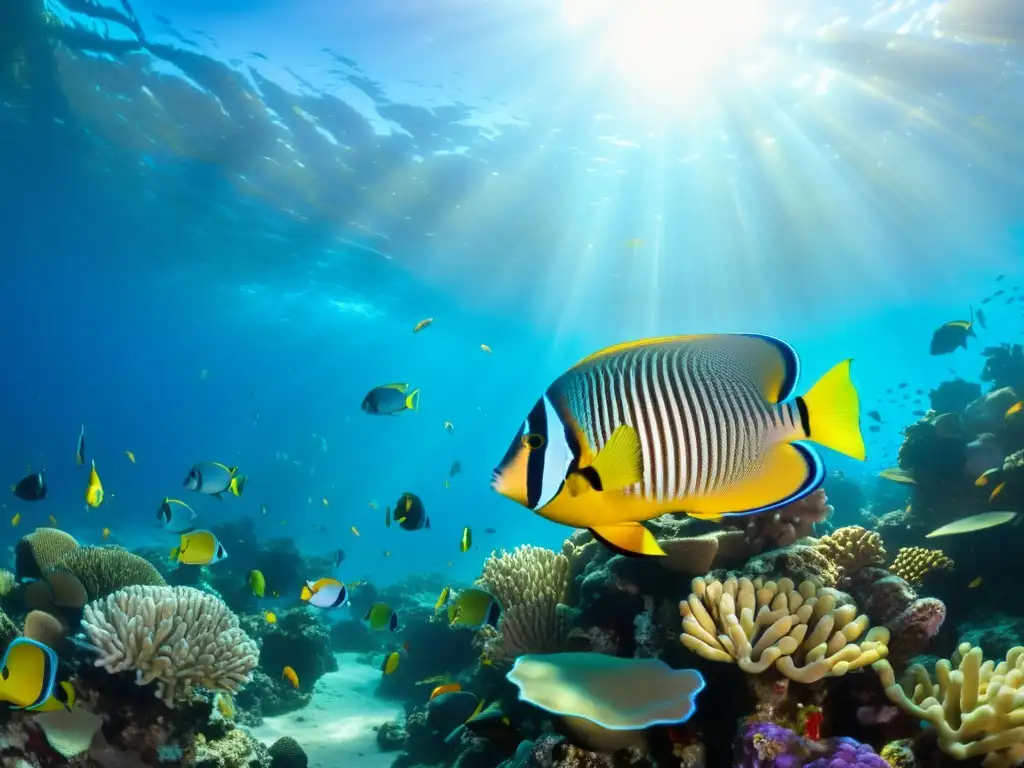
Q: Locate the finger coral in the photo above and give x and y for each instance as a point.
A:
(530, 583)
(976, 706)
(852, 548)
(913, 564)
(759, 625)
(179, 637)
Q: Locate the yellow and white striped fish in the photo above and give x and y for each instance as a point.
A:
(696, 424)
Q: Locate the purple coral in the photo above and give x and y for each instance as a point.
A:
(849, 753)
(767, 745)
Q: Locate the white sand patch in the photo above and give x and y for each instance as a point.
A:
(336, 728)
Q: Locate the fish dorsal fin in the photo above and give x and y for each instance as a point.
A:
(629, 345)
(403, 388)
(620, 463)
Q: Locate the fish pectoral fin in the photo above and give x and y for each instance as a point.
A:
(620, 463)
(629, 539)
(789, 472)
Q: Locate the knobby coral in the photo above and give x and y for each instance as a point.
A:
(799, 632)
(530, 583)
(40, 550)
(976, 707)
(176, 636)
(103, 570)
(852, 548)
(913, 564)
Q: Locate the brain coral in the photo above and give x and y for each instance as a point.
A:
(40, 550)
(103, 570)
(177, 636)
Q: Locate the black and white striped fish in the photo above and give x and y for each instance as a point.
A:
(696, 424)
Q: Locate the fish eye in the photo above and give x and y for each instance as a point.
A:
(533, 441)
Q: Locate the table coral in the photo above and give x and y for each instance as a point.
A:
(176, 636)
(762, 625)
(913, 564)
(975, 706)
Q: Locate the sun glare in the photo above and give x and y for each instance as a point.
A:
(668, 47)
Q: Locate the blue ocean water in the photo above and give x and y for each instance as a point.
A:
(222, 220)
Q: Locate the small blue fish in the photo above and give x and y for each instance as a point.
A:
(389, 399)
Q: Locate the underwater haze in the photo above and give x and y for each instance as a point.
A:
(223, 223)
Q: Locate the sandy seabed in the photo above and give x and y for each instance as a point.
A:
(336, 729)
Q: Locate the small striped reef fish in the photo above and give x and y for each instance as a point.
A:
(705, 425)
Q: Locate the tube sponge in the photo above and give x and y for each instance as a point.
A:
(976, 707)
(612, 692)
(760, 625)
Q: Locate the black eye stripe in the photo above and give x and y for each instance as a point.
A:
(537, 423)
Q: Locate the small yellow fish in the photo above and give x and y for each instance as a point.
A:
(445, 688)
(257, 583)
(94, 491)
(270, 617)
(355, 530)
(53, 521)
(16, 519)
(984, 477)
(466, 542)
(325, 502)
(996, 492)
(225, 705)
(1015, 408)
(447, 483)
(485, 660)
(106, 534)
(422, 324)
(130, 455)
(449, 427)
(289, 674)
(442, 599)
(975, 583)
(486, 349)
(390, 663)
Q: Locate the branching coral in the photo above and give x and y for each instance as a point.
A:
(852, 548)
(760, 625)
(530, 583)
(177, 636)
(913, 564)
(976, 707)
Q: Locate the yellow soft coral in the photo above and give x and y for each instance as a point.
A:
(852, 548)
(976, 707)
(760, 625)
(912, 564)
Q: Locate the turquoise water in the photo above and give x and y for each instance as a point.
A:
(276, 193)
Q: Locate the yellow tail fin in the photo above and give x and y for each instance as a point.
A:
(412, 402)
(238, 484)
(832, 412)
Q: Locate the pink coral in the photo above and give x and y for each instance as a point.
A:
(911, 631)
(781, 527)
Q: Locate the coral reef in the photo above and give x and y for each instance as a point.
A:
(976, 707)
(852, 548)
(286, 753)
(782, 527)
(39, 551)
(800, 633)
(530, 583)
(176, 636)
(913, 564)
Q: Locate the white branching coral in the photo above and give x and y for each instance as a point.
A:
(179, 637)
